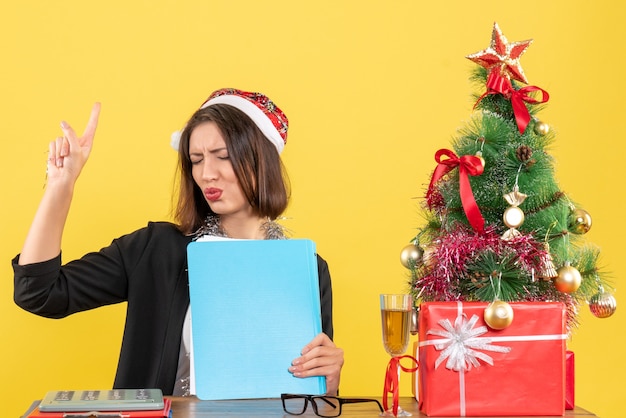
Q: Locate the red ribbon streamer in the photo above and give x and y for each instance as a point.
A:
(391, 380)
(469, 165)
(496, 83)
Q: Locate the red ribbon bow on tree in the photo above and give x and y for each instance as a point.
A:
(496, 83)
(469, 165)
(391, 381)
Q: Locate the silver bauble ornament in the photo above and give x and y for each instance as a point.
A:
(411, 256)
(602, 304)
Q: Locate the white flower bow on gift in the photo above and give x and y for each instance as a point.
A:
(460, 342)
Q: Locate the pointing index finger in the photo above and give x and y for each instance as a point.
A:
(90, 130)
(87, 139)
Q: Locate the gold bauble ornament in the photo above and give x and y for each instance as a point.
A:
(541, 128)
(411, 256)
(579, 221)
(568, 279)
(513, 217)
(498, 314)
(479, 154)
(428, 257)
(602, 304)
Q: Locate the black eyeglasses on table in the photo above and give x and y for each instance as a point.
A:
(323, 406)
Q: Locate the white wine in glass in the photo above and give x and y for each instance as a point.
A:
(395, 313)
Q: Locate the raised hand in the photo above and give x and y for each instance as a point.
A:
(69, 153)
(66, 158)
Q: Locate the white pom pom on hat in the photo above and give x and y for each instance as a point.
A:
(175, 139)
(263, 112)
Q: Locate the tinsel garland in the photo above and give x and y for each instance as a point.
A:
(212, 226)
(445, 274)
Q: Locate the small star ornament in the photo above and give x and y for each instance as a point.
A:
(502, 56)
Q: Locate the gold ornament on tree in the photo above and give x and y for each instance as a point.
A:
(498, 314)
(579, 221)
(513, 216)
(548, 271)
(602, 304)
(479, 154)
(541, 128)
(411, 256)
(428, 258)
(568, 279)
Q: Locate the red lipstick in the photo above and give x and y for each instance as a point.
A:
(212, 193)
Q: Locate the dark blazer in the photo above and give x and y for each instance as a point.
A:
(146, 268)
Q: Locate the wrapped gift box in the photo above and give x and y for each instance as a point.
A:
(569, 380)
(519, 370)
(569, 377)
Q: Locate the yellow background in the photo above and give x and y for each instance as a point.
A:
(372, 90)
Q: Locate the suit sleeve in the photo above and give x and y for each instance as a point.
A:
(55, 290)
(326, 297)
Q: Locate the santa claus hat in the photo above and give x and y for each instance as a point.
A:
(263, 112)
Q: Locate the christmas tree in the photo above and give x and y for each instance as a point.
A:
(498, 227)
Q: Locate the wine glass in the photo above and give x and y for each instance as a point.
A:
(395, 312)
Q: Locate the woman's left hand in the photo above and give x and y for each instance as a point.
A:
(320, 357)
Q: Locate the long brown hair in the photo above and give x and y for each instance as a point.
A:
(255, 161)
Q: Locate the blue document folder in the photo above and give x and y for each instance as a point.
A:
(254, 305)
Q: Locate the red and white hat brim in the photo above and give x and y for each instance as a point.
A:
(246, 106)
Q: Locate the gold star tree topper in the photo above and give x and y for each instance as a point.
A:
(502, 56)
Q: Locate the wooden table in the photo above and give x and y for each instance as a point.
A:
(191, 407)
(263, 408)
